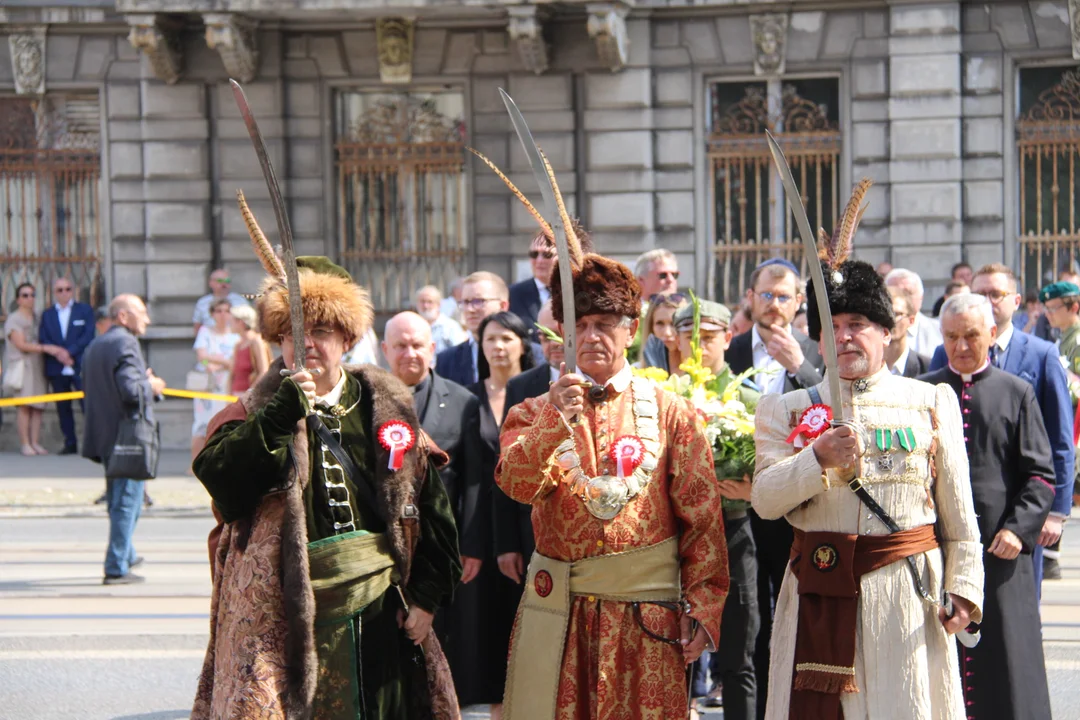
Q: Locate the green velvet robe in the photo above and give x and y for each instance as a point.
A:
(243, 461)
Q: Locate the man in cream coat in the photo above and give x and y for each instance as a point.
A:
(853, 629)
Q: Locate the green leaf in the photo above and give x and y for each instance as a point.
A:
(549, 333)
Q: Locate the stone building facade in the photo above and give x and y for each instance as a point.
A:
(121, 147)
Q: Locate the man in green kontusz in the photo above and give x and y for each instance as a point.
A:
(731, 665)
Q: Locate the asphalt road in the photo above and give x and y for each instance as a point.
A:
(71, 648)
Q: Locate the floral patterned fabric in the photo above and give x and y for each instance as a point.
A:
(611, 669)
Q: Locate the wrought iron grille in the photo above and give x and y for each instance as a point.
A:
(751, 217)
(50, 170)
(1048, 143)
(401, 184)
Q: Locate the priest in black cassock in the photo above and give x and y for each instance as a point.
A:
(1012, 479)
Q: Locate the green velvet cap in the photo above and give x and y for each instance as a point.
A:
(1058, 290)
(322, 265)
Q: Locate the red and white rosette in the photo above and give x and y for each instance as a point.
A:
(627, 453)
(814, 421)
(398, 438)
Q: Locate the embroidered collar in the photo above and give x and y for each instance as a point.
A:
(861, 385)
(618, 382)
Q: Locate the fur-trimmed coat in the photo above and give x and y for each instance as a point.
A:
(261, 661)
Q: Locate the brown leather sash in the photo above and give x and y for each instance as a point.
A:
(829, 566)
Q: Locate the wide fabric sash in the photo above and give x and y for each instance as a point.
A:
(639, 575)
(348, 573)
(828, 567)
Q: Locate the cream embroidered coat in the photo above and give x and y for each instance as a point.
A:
(905, 664)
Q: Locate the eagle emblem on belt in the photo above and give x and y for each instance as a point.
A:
(825, 557)
(543, 583)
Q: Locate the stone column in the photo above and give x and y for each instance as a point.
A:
(925, 128)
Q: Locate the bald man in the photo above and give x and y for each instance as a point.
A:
(118, 382)
(450, 415)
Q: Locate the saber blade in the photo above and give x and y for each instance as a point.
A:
(817, 276)
(292, 275)
(562, 247)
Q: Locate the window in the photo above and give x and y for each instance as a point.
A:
(401, 184)
(1048, 143)
(751, 216)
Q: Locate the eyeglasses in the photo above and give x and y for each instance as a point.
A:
(547, 254)
(1054, 308)
(319, 334)
(994, 296)
(477, 303)
(668, 297)
(673, 274)
(770, 296)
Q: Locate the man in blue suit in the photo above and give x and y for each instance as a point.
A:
(1036, 361)
(482, 294)
(70, 325)
(527, 296)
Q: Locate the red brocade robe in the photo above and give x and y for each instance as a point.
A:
(611, 669)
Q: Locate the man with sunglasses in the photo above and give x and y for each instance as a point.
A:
(220, 289)
(1036, 361)
(658, 273)
(527, 296)
(70, 325)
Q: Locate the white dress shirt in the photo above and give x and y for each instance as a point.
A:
(901, 362)
(770, 375)
(618, 382)
(63, 314)
(924, 335)
(545, 293)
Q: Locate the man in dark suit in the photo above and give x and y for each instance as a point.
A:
(1037, 362)
(514, 542)
(482, 294)
(116, 381)
(70, 325)
(787, 360)
(450, 415)
(527, 296)
(900, 358)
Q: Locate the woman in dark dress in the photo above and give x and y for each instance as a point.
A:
(504, 353)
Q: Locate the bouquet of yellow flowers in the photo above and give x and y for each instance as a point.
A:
(726, 414)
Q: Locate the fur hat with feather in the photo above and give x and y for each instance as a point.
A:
(329, 295)
(853, 285)
(601, 285)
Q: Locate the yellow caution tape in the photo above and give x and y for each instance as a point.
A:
(78, 395)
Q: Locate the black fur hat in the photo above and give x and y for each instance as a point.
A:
(854, 287)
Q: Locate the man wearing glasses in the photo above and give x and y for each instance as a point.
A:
(658, 273)
(70, 325)
(527, 296)
(1036, 361)
(220, 289)
(483, 294)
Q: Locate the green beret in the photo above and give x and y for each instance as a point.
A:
(322, 265)
(714, 316)
(1058, 290)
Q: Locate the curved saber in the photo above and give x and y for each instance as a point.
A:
(794, 200)
(292, 276)
(554, 219)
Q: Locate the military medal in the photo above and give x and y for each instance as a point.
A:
(883, 438)
(398, 438)
(906, 438)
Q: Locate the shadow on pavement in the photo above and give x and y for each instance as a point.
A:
(163, 715)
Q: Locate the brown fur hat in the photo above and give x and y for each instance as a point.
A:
(601, 286)
(330, 297)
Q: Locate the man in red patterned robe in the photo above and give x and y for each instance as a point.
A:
(630, 574)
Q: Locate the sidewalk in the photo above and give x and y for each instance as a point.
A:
(66, 486)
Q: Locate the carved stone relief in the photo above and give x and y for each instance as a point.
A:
(234, 39)
(769, 33)
(526, 30)
(159, 43)
(28, 60)
(394, 37)
(607, 28)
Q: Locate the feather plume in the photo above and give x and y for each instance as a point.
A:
(576, 256)
(836, 249)
(520, 195)
(263, 250)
